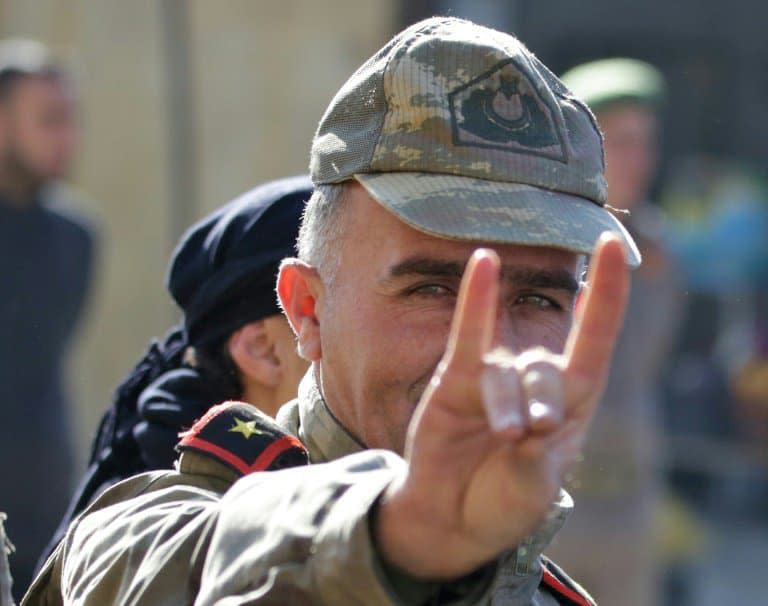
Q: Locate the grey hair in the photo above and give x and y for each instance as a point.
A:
(582, 265)
(322, 228)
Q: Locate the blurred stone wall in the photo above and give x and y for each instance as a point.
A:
(260, 75)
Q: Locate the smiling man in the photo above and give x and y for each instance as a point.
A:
(458, 186)
(386, 310)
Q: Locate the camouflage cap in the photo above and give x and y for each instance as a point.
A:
(462, 133)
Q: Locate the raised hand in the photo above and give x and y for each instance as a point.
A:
(494, 432)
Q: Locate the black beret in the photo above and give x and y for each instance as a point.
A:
(222, 273)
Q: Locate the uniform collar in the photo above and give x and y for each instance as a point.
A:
(309, 418)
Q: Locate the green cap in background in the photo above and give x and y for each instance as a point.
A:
(461, 132)
(608, 82)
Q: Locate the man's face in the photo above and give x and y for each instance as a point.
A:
(385, 318)
(630, 152)
(38, 130)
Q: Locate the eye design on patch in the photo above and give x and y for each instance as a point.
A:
(501, 109)
(506, 114)
(507, 108)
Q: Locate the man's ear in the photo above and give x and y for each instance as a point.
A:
(253, 352)
(299, 288)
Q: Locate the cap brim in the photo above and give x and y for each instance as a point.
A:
(465, 208)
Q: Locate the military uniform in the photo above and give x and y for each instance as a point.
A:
(213, 530)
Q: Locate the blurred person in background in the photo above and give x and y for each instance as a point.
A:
(718, 212)
(619, 484)
(46, 259)
(233, 343)
(717, 383)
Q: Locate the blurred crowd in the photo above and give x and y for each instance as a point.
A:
(677, 466)
(677, 455)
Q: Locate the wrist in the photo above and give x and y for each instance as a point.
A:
(410, 538)
(411, 587)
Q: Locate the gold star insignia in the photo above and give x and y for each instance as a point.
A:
(245, 428)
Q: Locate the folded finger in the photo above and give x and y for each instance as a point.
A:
(502, 393)
(541, 379)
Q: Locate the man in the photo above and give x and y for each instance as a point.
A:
(46, 258)
(619, 484)
(234, 343)
(438, 424)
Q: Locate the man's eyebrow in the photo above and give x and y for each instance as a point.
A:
(556, 279)
(425, 266)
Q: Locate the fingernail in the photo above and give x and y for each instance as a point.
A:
(484, 253)
(542, 416)
(479, 253)
(501, 397)
(539, 410)
(607, 236)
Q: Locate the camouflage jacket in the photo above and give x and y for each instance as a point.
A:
(212, 533)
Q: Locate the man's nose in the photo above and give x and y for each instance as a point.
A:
(504, 331)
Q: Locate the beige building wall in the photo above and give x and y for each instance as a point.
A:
(262, 72)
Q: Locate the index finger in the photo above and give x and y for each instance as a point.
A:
(591, 340)
(475, 314)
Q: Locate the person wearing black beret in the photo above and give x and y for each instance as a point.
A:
(233, 344)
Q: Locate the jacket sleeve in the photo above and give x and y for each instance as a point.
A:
(302, 536)
(295, 536)
(141, 542)
(140, 554)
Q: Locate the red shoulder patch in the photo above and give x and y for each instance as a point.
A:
(566, 591)
(243, 438)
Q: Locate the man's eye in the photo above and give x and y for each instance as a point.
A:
(431, 290)
(539, 301)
